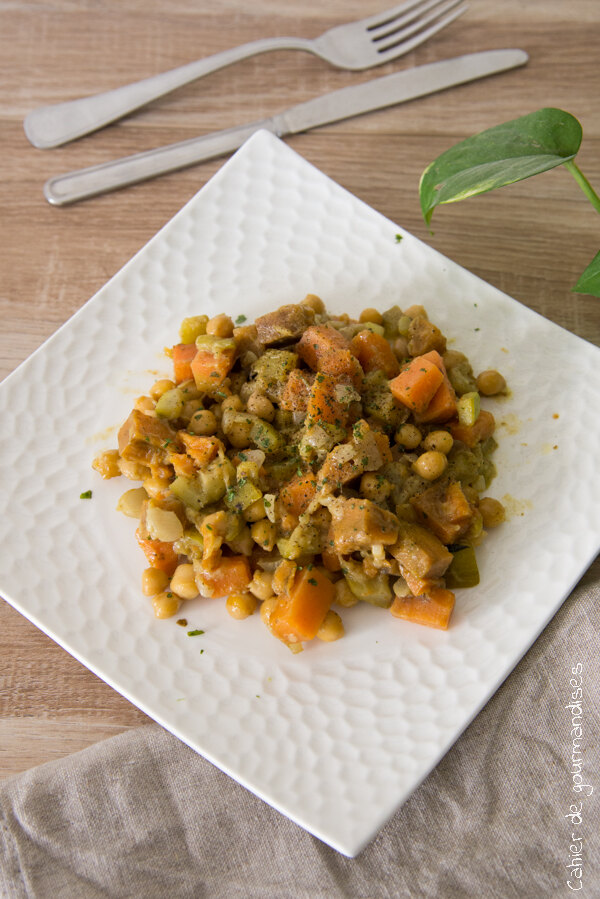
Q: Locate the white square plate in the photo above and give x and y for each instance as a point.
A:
(337, 737)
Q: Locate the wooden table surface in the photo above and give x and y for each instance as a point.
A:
(530, 240)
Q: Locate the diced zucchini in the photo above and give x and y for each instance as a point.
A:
(215, 345)
(208, 486)
(191, 544)
(170, 404)
(264, 436)
(272, 370)
(469, 407)
(463, 570)
(241, 495)
(461, 377)
(391, 317)
(192, 327)
(374, 590)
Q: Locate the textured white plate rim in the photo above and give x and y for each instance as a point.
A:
(348, 845)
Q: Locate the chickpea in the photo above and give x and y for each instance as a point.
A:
(241, 605)
(144, 404)
(183, 582)
(203, 423)
(400, 347)
(332, 627)
(416, 312)
(238, 432)
(264, 533)
(256, 511)
(266, 610)
(408, 436)
(107, 464)
(232, 404)
(160, 387)
(492, 512)
(190, 407)
(261, 584)
(220, 326)
(314, 302)
(375, 487)
(344, 595)
(165, 604)
(154, 581)
(371, 315)
(430, 465)
(283, 576)
(132, 501)
(441, 441)
(262, 406)
(490, 383)
(157, 488)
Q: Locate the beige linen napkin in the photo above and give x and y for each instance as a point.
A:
(141, 815)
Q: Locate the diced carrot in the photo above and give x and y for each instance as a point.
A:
(324, 349)
(323, 404)
(209, 370)
(417, 384)
(159, 554)
(201, 449)
(231, 575)
(443, 404)
(432, 610)
(374, 353)
(294, 397)
(299, 616)
(183, 355)
(298, 493)
(484, 427)
(444, 510)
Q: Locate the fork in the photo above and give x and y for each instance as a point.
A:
(355, 46)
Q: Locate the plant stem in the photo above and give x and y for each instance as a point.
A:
(584, 184)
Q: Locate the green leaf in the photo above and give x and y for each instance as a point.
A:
(499, 156)
(589, 282)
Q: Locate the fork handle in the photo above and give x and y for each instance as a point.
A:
(51, 126)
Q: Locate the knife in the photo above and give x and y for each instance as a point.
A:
(377, 93)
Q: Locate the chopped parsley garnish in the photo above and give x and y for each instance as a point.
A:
(87, 494)
(240, 320)
(398, 238)
(195, 633)
(312, 581)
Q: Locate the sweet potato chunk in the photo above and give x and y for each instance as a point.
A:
(284, 325)
(295, 393)
(420, 552)
(325, 349)
(359, 523)
(424, 336)
(445, 510)
(143, 438)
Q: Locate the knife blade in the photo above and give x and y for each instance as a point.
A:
(378, 93)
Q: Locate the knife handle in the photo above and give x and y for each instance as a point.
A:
(51, 126)
(98, 179)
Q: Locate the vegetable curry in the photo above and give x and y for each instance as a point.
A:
(308, 462)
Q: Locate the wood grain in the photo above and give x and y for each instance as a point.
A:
(530, 240)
